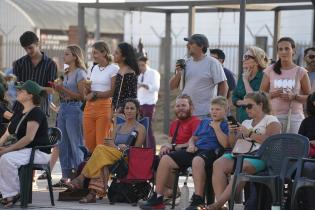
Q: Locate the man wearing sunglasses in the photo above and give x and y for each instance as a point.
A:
(309, 58)
(200, 75)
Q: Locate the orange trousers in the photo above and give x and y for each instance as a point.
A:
(97, 122)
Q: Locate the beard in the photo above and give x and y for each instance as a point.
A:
(311, 65)
(183, 115)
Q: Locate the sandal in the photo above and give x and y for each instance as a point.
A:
(75, 184)
(11, 201)
(42, 176)
(89, 198)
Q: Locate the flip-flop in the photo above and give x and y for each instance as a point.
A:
(42, 176)
(10, 203)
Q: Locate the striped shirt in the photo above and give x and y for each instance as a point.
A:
(45, 71)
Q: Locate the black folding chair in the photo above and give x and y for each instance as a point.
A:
(274, 152)
(300, 181)
(26, 171)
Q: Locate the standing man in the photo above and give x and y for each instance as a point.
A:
(220, 56)
(35, 66)
(309, 58)
(200, 76)
(148, 90)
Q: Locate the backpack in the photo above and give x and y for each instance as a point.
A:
(127, 192)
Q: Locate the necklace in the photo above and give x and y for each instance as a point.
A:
(102, 68)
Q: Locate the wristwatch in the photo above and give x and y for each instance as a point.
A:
(173, 146)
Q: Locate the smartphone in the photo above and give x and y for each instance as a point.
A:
(232, 120)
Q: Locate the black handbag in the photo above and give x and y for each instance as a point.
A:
(119, 168)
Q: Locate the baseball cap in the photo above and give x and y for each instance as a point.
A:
(199, 39)
(30, 86)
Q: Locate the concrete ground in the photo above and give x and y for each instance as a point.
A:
(41, 198)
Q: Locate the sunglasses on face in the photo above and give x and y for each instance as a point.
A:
(247, 106)
(247, 57)
(311, 56)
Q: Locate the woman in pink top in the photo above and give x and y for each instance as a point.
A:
(288, 86)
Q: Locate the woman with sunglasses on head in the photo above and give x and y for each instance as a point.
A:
(254, 61)
(288, 86)
(260, 126)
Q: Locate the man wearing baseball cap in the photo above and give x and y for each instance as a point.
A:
(200, 75)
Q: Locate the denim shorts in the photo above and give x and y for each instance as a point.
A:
(257, 163)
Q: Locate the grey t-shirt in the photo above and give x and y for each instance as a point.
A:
(311, 76)
(72, 79)
(201, 77)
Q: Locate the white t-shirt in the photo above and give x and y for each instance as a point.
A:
(260, 128)
(150, 77)
(201, 77)
(101, 79)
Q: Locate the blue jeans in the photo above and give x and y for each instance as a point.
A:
(69, 121)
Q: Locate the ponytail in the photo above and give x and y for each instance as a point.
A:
(277, 67)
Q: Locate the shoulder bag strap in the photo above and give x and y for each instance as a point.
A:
(175, 133)
(24, 116)
(117, 102)
(290, 105)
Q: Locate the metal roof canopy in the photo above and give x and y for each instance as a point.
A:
(191, 7)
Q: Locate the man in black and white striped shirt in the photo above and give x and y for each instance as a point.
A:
(36, 66)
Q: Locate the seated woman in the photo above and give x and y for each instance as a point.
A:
(30, 127)
(5, 114)
(97, 167)
(306, 196)
(258, 128)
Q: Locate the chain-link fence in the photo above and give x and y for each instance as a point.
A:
(10, 51)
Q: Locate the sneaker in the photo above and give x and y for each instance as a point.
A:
(60, 184)
(154, 203)
(197, 202)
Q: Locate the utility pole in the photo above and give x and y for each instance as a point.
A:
(97, 22)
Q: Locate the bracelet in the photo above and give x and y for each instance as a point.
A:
(173, 147)
(94, 96)
(250, 133)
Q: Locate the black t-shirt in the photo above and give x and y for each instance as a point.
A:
(307, 127)
(41, 136)
(3, 121)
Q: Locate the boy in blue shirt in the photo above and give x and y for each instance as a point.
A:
(211, 134)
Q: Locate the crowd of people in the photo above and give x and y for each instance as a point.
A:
(269, 99)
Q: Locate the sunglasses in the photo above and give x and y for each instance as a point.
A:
(247, 106)
(311, 56)
(247, 57)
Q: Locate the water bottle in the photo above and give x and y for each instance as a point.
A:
(184, 196)
(275, 207)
